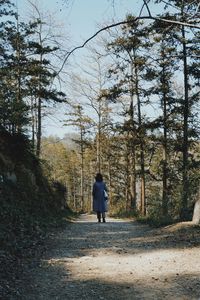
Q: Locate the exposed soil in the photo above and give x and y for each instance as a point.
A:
(120, 259)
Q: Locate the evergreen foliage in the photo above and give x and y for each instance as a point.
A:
(29, 202)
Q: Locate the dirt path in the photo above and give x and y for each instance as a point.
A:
(116, 260)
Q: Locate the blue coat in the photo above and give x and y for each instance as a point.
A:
(99, 201)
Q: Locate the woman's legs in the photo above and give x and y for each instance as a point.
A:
(99, 216)
(103, 216)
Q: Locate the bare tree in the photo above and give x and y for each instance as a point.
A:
(46, 54)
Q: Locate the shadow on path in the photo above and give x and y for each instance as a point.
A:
(116, 260)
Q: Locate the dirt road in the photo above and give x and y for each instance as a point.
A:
(116, 260)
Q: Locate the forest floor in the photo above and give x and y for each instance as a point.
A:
(119, 259)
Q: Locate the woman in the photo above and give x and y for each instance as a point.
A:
(99, 198)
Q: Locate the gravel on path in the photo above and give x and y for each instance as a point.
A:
(119, 259)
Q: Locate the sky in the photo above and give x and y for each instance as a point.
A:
(82, 16)
(79, 19)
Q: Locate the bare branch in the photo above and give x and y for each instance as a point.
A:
(147, 7)
(169, 4)
(196, 12)
(141, 9)
(124, 23)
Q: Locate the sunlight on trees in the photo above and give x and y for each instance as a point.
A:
(133, 102)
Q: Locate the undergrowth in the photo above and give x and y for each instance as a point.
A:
(159, 221)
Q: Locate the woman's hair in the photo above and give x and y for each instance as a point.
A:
(99, 177)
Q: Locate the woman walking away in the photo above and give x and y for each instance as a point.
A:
(99, 198)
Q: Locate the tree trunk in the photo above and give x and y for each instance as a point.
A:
(142, 167)
(143, 192)
(109, 182)
(39, 116)
(99, 145)
(33, 121)
(183, 213)
(91, 186)
(164, 179)
(130, 190)
(74, 191)
(39, 128)
(132, 145)
(82, 171)
(133, 179)
(18, 91)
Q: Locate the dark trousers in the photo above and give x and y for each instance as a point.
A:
(99, 215)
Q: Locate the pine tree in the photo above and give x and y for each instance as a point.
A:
(13, 109)
(42, 77)
(186, 38)
(131, 45)
(161, 76)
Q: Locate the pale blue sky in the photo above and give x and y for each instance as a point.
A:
(82, 17)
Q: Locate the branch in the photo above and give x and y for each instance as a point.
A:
(141, 10)
(124, 23)
(196, 12)
(169, 4)
(147, 7)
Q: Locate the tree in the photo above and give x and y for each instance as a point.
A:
(185, 11)
(77, 119)
(43, 46)
(91, 87)
(160, 74)
(61, 167)
(130, 47)
(13, 109)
